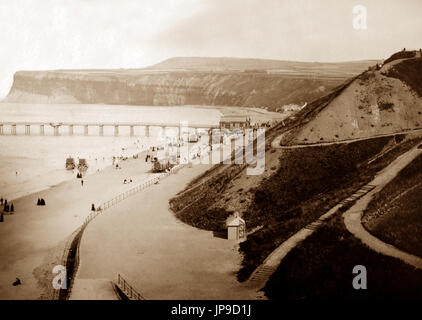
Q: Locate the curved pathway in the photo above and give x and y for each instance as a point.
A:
(262, 273)
(276, 142)
(353, 216)
(160, 256)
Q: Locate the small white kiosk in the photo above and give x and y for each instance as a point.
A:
(236, 227)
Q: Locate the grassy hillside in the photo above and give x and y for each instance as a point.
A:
(401, 55)
(395, 213)
(194, 206)
(376, 102)
(308, 183)
(297, 187)
(321, 268)
(338, 69)
(410, 72)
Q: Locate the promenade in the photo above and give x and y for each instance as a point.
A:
(33, 238)
(161, 257)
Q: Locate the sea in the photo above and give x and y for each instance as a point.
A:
(32, 163)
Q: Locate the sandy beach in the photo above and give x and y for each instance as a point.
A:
(31, 164)
(39, 160)
(34, 237)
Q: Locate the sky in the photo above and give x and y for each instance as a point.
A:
(78, 34)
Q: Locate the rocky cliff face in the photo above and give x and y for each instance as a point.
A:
(167, 88)
(188, 81)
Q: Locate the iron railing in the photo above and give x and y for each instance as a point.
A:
(127, 289)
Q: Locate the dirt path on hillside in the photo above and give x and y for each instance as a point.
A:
(353, 216)
(276, 142)
(261, 274)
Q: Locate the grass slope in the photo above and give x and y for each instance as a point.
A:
(321, 268)
(395, 213)
(410, 72)
(309, 183)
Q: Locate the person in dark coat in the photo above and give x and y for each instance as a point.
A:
(12, 208)
(17, 282)
(42, 202)
(92, 207)
(1, 217)
(38, 202)
(1, 201)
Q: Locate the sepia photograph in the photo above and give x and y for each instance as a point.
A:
(234, 152)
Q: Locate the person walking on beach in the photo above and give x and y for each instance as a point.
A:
(1, 201)
(82, 183)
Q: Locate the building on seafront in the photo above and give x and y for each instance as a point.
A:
(232, 122)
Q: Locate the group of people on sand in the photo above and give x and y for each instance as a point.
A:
(126, 181)
(41, 202)
(6, 208)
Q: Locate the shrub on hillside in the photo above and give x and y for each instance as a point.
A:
(401, 55)
(386, 106)
(410, 72)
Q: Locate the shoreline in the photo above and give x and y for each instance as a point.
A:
(38, 170)
(35, 235)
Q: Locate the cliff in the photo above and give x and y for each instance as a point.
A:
(171, 84)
